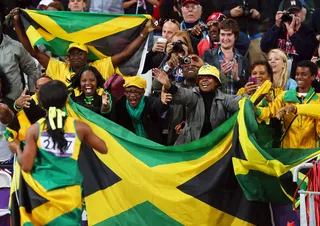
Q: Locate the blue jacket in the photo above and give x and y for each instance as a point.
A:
(315, 21)
(303, 42)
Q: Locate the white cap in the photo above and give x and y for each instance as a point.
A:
(44, 2)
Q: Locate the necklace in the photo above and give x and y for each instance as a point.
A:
(88, 100)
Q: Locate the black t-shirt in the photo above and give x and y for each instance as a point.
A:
(132, 9)
(207, 99)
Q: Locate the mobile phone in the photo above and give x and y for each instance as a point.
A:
(253, 79)
(183, 124)
(155, 23)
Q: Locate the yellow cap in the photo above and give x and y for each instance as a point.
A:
(209, 70)
(78, 46)
(136, 81)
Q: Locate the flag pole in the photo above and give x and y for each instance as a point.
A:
(137, 8)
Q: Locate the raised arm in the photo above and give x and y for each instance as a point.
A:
(179, 95)
(117, 59)
(90, 138)
(35, 52)
(312, 110)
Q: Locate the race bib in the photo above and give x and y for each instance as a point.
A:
(47, 144)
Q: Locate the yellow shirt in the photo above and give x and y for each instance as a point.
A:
(59, 70)
(304, 130)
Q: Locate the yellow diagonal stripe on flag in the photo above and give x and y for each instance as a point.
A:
(61, 201)
(92, 33)
(255, 160)
(147, 178)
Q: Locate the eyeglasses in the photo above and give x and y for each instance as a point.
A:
(133, 92)
(193, 7)
(173, 21)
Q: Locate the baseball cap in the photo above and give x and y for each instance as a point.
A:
(190, 1)
(136, 81)
(218, 16)
(292, 4)
(209, 70)
(44, 2)
(78, 46)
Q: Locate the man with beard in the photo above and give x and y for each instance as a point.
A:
(176, 114)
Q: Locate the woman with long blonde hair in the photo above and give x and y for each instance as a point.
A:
(279, 63)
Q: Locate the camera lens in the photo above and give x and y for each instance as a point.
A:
(187, 60)
(286, 17)
(177, 47)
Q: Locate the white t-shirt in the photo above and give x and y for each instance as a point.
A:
(5, 153)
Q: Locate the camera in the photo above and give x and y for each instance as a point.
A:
(177, 47)
(204, 27)
(184, 60)
(245, 7)
(286, 17)
(318, 62)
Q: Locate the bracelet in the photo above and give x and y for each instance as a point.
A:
(15, 107)
(142, 35)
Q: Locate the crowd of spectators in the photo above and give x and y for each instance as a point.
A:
(207, 56)
(227, 35)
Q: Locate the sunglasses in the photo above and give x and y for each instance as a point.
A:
(173, 21)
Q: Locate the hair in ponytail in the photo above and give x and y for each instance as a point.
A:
(53, 96)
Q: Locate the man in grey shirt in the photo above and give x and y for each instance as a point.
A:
(102, 6)
(14, 61)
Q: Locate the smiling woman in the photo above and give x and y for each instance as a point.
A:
(207, 106)
(87, 90)
(138, 113)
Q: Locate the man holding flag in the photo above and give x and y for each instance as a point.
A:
(78, 54)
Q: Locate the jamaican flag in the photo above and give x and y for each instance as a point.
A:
(105, 35)
(220, 179)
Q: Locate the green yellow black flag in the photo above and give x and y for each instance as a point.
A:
(221, 179)
(105, 35)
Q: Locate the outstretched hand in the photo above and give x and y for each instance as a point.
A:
(162, 77)
(24, 100)
(286, 110)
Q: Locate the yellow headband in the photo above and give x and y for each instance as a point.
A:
(55, 113)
